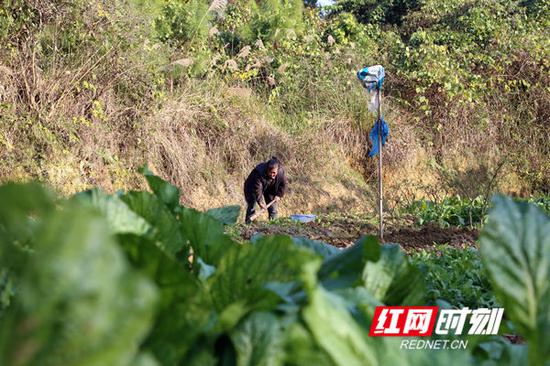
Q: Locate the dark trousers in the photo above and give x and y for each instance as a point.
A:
(251, 202)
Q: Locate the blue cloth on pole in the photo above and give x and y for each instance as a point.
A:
(373, 135)
(372, 77)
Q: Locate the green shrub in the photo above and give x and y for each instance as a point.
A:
(273, 20)
(182, 22)
(17, 18)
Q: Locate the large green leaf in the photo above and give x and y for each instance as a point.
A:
(361, 299)
(393, 280)
(206, 235)
(78, 302)
(166, 192)
(7, 288)
(182, 311)
(227, 215)
(302, 349)
(21, 206)
(323, 249)
(498, 350)
(344, 269)
(244, 272)
(121, 219)
(165, 230)
(259, 341)
(515, 247)
(344, 337)
(145, 359)
(333, 328)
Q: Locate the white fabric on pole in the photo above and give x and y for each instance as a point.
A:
(373, 101)
(372, 78)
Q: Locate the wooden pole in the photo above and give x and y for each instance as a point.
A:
(255, 216)
(380, 199)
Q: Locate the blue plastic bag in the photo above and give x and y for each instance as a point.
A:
(373, 135)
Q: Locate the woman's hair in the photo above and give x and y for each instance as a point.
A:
(273, 163)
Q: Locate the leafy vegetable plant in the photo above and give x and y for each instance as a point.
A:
(136, 278)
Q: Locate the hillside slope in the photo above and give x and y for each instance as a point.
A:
(201, 92)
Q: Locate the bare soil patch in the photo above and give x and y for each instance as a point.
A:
(343, 232)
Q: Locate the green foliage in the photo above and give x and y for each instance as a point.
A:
(455, 275)
(226, 215)
(456, 56)
(462, 63)
(165, 231)
(452, 211)
(343, 269)
(542, 202)
(515, 248)
(168, 194)
(371, 11)
(499, 351)
(181, 313)
(325, 315)
(192, 312)
(273, 20)
(109, 279)
(345, 29)
(20, 19)
(244, 271)
(461, 212)
(120, 218)
(393, 280)
(76, 297)
(324, 250)
(206, 235)
(6, 289)
(182, 22)
(259, 340)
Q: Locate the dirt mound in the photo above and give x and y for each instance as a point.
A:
(428, 236)
(344, 232)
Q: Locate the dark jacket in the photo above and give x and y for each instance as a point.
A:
(257, 184)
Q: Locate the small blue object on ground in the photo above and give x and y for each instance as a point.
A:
(303, 218)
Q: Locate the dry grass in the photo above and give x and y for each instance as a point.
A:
(208, 150)
(205, 140)
(208, 138)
